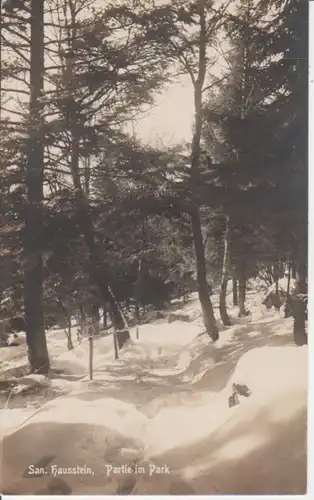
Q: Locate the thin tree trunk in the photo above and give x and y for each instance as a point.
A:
(242, 286)
(198, 83)
(79, 332)
(235, 291)
(287, 306)
(276, 299)
(33, 272)
(276, 285)
(298, 302)
(203, 292)
(225, 276)
(301, 278)
(91, 356)
(139, 281)
(276, 271)
(115, 346)
(298, 308)
(121, 330)
(105, 322)
(96, 320)
(98, 275)
(69, 335)
(299, 331)
(138, 295)
(293, 269)
(83, 321)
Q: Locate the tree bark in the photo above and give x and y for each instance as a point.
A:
(276, 272)
(299, 330)
(225, 276)
(301, 286)
(287, 305)
(98, 275)
(115, 346)
(69, 335)
(83, 321)
(95, 320)
(139, 280)
(276, 301)
(242, 293)
(138, 295)
(299, 305)
(298, 308)
(235, 291)
(293, 270)
(33, 271)
(203, 292)
(91, 356)
(198, 83)
(121, 332)
(105, 322)
(242, 286)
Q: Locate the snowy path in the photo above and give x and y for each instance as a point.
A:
(166, 399)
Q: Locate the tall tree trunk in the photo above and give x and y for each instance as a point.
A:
(105, 322)
(138, 295)
(242, 286)
(115, 346)
(276, 271)
(198, 83)
(99, 278)
(95, 317)
(287, 305)
(298, 308)
(225, 276)
(203, 292)
(33, 272)
(91, 356)
(98, 275)
(276, 298)
(235, 291)
(69, 335)
(139, 281)
(293, 269)
(299, 302)
(83, 321)
(121, 331)
(242, 293)
(301, 278)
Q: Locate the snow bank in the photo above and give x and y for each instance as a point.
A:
(202, 441)
(165, 402)
(177, 333)
(256, 447)
(273, 369)
(84, 430)
(17, 416)
(76, 361)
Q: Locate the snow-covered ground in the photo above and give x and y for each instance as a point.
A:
(158, 420)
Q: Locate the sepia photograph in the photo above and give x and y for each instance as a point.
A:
(154, 247)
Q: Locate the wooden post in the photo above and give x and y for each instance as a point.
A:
(91, 348)
(115, 345)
